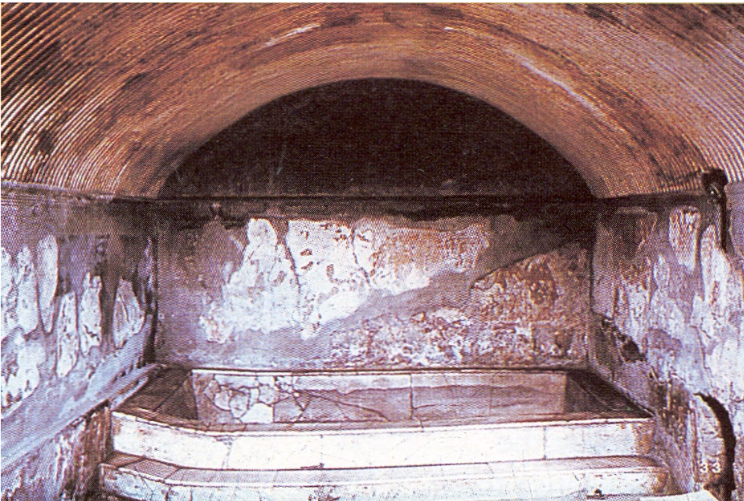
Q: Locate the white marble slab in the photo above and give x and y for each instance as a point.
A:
(554, 480)
(179, 446)
(611, 437)
(375, 447)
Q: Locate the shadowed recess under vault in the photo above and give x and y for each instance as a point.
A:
(377, 137)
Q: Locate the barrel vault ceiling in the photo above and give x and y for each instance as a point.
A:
(108, 99)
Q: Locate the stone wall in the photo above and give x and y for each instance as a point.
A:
(669, 330)
(64, 467)
(374, 291)
(77, 309)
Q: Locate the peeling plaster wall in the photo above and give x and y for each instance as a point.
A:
(374, 291)
(670, 327)
(64, 467)
(77, 309)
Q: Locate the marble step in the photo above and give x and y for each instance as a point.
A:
(138, 478)
(362, 445)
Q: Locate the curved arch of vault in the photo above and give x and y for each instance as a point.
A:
(108, 99)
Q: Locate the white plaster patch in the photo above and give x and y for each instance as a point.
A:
(316, 276)
(65, 331)
(723, 287)
(7, 270)
(261, 295)
(397, 260)
(726, 368)
(684, 224)
(663, 312)
(662, 272)
(9, 293)
(715, 267)
(27, 308)
(25, 379)
(47, 255)
(128, 316)
(332, 285)
(723, 298)
(89, 314)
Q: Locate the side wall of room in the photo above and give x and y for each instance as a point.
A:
(78, 305)
(668, 300)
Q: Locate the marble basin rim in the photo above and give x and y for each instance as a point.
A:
(227, 400)
(191, 419)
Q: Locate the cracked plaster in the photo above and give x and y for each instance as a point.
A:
(27, 308)
(684, 225)
(530, 312)
(68, 341)
(680, 297)
(265, 281)
(128, 316)
(58, 277)
(46, 271)
(379, 292)
(328, 270)
(89, 316)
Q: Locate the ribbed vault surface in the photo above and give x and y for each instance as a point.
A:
(109, 99)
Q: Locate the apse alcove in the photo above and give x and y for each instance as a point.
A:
(364, 204)
(377, 137)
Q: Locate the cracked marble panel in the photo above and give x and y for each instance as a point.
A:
(453, 402)
(552, 480)
(254, 398)
(385, 405)
(282, 448)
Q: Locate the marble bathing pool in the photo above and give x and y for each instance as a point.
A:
(280, 420)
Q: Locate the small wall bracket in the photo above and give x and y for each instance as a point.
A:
(735, 202)
(715, 183)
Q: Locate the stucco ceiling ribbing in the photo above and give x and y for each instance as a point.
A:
(109, 99)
